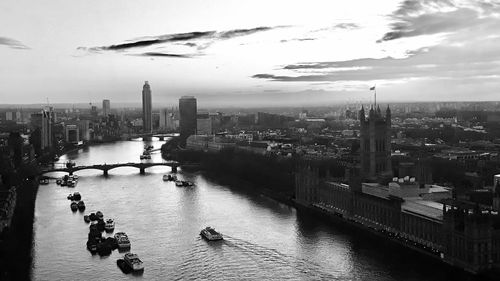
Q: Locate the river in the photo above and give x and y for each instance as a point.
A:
(263, 239)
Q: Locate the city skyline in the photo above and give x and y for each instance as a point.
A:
(311, 54)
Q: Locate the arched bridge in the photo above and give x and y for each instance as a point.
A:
(106, 167)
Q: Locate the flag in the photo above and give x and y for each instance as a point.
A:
(372, 88)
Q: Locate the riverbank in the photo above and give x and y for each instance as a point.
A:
(16, 248)
(273, 175)
(224, 173)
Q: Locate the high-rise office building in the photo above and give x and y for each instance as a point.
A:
(163, 118)
(188, 114)
(147, 114)
(106, 107)
(43, 121)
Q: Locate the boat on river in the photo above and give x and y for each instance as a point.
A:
(44, 181)
(99, 215)
(210, 234)
(74, 206)
(133, 261)
(92, 245)
(101, 225)
(75, 196)
(122, 240)
(93, 217)
(93, 226)
(169, 177)
(110, 225)
(123, 266)
(180, 183)
(81, 206)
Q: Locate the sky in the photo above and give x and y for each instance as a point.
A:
(249, 53)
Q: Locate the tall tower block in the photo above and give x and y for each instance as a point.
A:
(147, 114)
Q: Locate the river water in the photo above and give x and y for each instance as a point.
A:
(263, 239)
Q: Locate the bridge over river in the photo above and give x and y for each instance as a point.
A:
(106, 167)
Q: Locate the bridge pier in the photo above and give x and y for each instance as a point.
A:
(162, 138)
(105, 172)
(174, 169)
(142, 170)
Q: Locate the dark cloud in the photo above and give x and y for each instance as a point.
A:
(178, 37)
(427, 17)
(263, 76)
(12, 43)
(242, 32)
(158, 54)
(209, 36)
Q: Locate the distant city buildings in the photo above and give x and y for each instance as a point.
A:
(425, 217)
(106, 107)
(147, 114)
(188, 116)
(72, 134)
(204, 124)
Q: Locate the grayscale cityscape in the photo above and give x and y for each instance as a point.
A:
(250, 140)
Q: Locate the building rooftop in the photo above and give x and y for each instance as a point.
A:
(425, 208)
(437, 188)
(375, 189)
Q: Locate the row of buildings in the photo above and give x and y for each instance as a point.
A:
(405, 209)
(7, 206)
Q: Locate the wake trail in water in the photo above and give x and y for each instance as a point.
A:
(238, 259)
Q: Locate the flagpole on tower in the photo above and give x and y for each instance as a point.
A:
(375, 99)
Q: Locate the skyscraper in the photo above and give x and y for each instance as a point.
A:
(106, 107)
(147, 116)
(187, 112)
(163, 118)
(375, 143)
(43, 121)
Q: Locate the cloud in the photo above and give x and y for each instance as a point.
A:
(428, 17)
(204, 38)
(298, 39)
(12, 43)
(342, 25)
(158, 54)
(473, 58)
(346, 25)
(242, 32)
(148, 41)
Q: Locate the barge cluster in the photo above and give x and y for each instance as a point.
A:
(99, 244)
